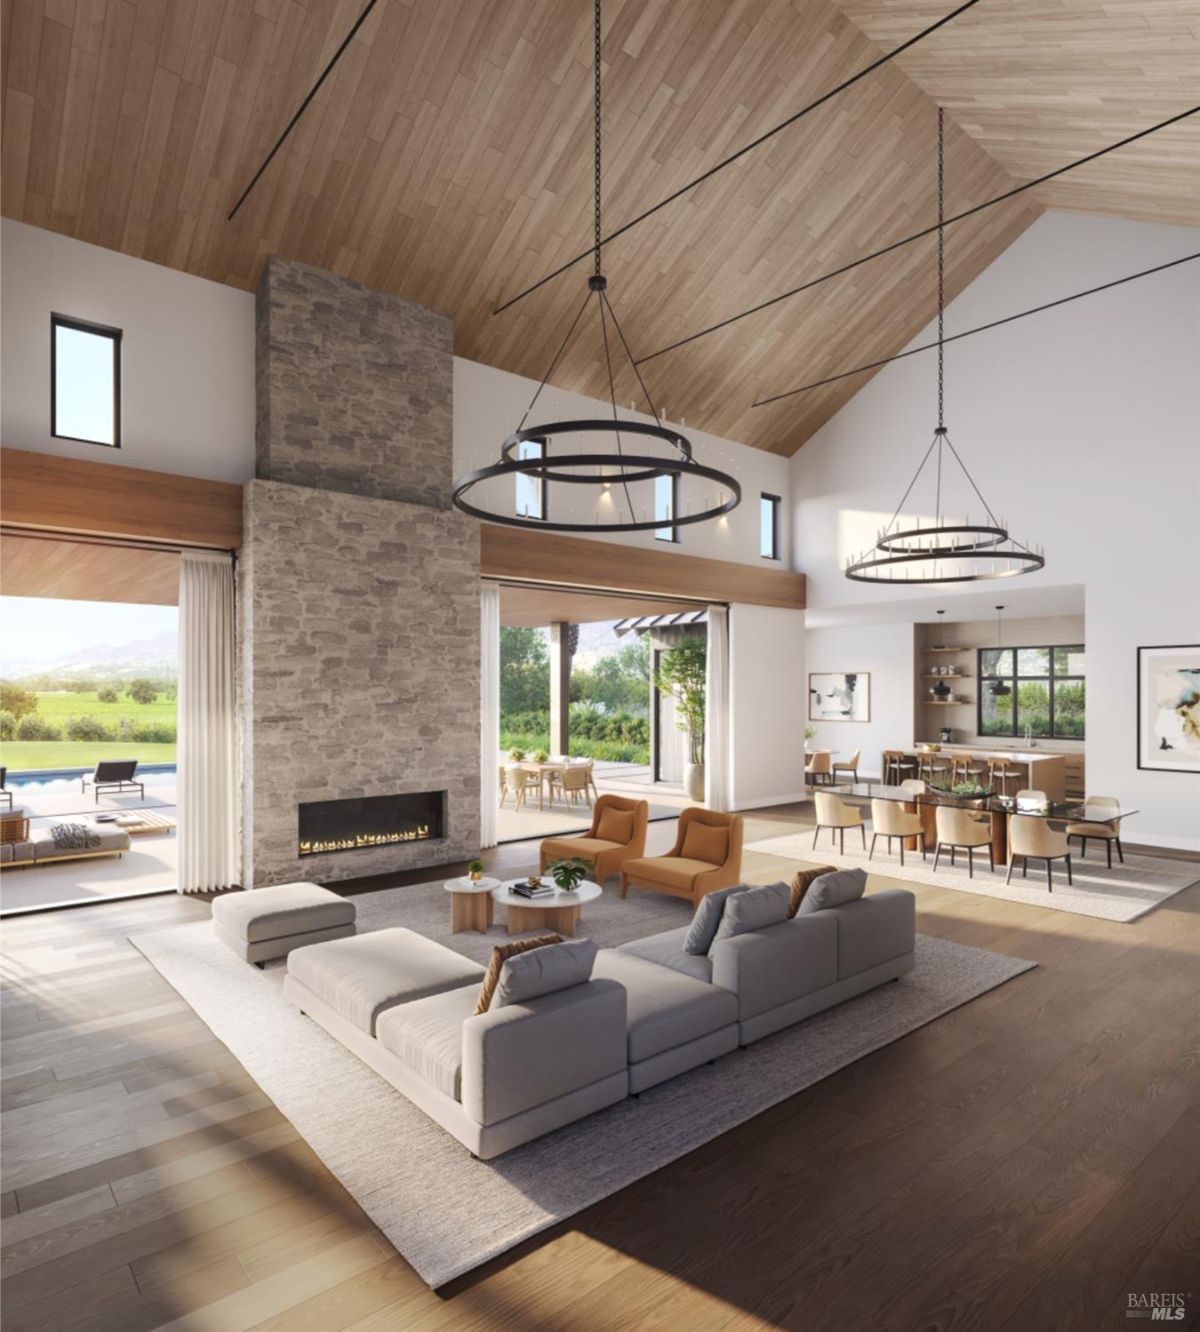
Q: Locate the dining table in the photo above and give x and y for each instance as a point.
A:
(999, 809)
(546, 771)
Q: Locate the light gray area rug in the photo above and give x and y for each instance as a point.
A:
(447, 1213)
(1122, 893)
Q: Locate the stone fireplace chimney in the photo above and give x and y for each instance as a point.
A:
(358, 584)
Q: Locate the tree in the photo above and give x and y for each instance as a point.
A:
(20, 702)
(524, 671)
(142, 691)
(106, 695)
(683, 673)
(617, 682)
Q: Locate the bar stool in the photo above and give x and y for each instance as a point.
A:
(1001, 772)
(897, 765)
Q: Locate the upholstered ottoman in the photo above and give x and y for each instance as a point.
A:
(263, 923)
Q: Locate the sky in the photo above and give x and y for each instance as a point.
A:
(35, 629)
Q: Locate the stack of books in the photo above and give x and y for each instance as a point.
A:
(533, 890)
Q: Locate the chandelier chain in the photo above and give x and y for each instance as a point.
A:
(596, 122)
(941, 251)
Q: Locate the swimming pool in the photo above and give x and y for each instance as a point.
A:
(52, 781)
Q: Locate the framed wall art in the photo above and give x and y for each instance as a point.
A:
(1168, 708)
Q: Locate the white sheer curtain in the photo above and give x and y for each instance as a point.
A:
(489, 729)
(716, 711)
(207, 755)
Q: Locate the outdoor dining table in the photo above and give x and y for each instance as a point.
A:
(545, 771)
(999, 809)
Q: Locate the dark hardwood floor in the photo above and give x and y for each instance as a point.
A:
(1026, 1162)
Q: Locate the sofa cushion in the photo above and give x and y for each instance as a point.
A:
(616, 825)
(287, 908)
(755, 909)
(670, 871)
(832, 890)
(707, 919)
(664, 1008)
(704, 841)
(363, 975)
(874, 929)
(500, 954)
(544, 970)
(60, 841)
(17, 853)
(803, 881)
(669, 950)
(427, 1036)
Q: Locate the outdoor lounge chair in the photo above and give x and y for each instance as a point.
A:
(114, 775)
(5, 793)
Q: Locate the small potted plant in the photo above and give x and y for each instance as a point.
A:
(568, 874)
(540, 756)
(810, 733)
(475, 871)
(516, 754)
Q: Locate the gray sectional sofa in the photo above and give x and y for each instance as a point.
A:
(559, 1049)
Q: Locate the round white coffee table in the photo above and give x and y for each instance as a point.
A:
(559, 911)
(471, 904)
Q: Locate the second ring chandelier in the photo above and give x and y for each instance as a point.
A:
(604, 471)
(947, 550)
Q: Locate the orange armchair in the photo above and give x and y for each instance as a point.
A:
(707, 855)
(618, 832)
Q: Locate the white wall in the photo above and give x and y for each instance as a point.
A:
(489, 403)
(766, 685)
(886, 651)
(1082, 426)
(187, 403)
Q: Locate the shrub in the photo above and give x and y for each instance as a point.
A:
(107, 695)
(33, 727)
(8, 726)
(152, 732)
(89, 728)
(20, 702)
(142, 691)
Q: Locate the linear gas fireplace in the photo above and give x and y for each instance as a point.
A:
(371, 821)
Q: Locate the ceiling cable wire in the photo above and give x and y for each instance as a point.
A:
(741, 152)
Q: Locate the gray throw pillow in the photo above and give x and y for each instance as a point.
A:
(834, 889)
(707, 919)
(543, 971)
(755, 909)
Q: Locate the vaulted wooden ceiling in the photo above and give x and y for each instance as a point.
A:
(448, 160)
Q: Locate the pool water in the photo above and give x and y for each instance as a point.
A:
(67, 779)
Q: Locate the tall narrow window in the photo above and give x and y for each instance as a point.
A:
(768, 526)
(531, 490)
(666, 495)
(85, 381)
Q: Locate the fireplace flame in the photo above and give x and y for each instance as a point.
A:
(313, 848)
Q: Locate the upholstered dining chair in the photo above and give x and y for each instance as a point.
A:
(889, 820)
(916, 785)
(707, 855)
(850, 766)
(833, 813)
(617, 834)
(818, 767)
(1028, 836)
(1104, 825)
(962, 830)
(1029, 796)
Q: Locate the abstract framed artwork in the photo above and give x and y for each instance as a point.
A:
(839, 696)
(1169, 707)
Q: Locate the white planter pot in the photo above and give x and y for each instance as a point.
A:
(693, 781)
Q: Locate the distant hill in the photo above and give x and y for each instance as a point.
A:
(156, 657)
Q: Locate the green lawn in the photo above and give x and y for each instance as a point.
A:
(61, 704)
(30, 755)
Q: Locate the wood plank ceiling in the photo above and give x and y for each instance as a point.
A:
(86, 571)
(448, 160)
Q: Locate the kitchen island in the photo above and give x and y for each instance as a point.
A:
(1040, 769)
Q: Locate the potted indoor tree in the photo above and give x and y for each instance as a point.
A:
(682, 673)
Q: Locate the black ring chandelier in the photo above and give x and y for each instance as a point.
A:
(590, 468)
(947, 550)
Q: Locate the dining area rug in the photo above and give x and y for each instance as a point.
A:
(1122, 894)
(447, 1213)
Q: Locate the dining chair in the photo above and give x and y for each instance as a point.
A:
(833, 813)
(889, 820)
(503, 783)
(590, 769)
(1104, 825)
(1028, 836)
(850, 766)
(1032, 797)
(914, 784)
(521, 781)
(962, 830)
(818, 767)
(573, 782)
